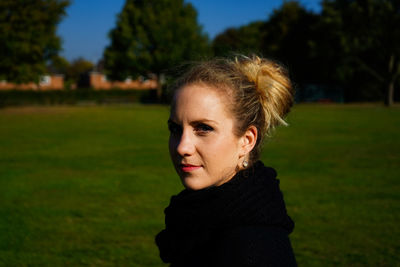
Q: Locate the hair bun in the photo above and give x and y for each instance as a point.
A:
(273, 85)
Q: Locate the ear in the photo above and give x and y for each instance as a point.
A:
(248, 140)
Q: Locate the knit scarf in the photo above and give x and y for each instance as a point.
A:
(251, 198)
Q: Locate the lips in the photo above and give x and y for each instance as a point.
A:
(188, 167)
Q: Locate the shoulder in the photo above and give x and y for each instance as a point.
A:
(254, 246)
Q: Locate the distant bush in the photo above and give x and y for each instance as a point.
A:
(73, 97)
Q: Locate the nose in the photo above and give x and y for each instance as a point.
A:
(185, 146)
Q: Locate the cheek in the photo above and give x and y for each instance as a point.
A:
(224, 148)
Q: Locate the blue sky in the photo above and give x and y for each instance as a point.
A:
(84, 30)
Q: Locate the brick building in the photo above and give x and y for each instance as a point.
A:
(98, 81)
(47, 82)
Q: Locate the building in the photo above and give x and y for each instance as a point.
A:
(98, 81)
(95, 80)
(47, 82)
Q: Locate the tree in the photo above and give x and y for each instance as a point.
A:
(74, 72)
(58, 65)
(245, 39)
(289, 37)
(368, 34)
(28, 37)
(151, 36)
(77, 69)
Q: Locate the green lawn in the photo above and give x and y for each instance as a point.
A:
(88, 185)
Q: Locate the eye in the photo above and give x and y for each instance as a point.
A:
(203, 129)
(174, 128)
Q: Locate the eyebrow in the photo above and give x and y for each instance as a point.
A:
(203, 121)
(195, 122)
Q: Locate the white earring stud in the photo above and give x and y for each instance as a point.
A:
(245, 163)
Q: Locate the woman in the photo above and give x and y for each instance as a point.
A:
(231, 212)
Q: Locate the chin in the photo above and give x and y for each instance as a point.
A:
(192, 184)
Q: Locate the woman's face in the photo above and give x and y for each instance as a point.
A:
(203, 148)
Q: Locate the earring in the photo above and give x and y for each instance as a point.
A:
(245, 164)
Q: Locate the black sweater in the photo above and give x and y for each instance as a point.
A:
(240, 223)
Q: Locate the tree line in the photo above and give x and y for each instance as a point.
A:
(353, 45)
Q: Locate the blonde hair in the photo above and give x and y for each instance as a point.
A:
(258, 90)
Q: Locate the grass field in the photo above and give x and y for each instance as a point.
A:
(88, 185)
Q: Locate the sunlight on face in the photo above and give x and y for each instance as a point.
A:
(203, 148)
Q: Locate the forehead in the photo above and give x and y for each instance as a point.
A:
(199, 100)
